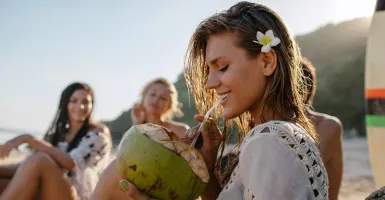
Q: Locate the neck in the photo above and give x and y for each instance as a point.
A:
(75, 127)
(268, 115)
(154, 119)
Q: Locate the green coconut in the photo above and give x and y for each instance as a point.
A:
(146, 159)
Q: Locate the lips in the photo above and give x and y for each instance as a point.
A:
(78, 116)
(224, 96)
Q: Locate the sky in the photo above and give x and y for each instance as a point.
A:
(116, 46)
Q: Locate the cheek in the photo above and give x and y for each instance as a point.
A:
(147, 99)
(247, 85)
(253, 80)
(166, 105)
(229, 80)
(70, 107)
(89, 108)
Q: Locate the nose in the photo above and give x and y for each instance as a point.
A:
(154, 100)
(213, 81)
(82, 106)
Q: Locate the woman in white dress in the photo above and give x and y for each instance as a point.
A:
(67, 163)
(246, 56)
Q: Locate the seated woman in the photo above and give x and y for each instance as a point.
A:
(246, 57)
(329, 130)
(159, 104)
(67, 163)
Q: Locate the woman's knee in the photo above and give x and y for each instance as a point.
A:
(39, 160)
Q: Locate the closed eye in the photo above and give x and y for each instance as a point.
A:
(224, 68)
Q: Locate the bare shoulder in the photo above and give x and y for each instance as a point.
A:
(178, 128)
(328, 125)
(332, 122)
(177, 125)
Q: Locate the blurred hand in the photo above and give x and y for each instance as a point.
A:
(131, 191)
(138, 114)
(6, 148)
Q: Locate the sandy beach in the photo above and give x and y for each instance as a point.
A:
(357, 178)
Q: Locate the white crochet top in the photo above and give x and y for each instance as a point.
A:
(91, 156)
(278, 161)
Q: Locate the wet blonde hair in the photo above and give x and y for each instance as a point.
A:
(174, 109)
(283, 91)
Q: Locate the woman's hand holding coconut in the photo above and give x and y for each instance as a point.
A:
(212, 138)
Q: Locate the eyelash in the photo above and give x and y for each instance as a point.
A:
(224, 68)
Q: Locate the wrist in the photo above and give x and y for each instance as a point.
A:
(25, 138)
(212, 190)
(210, 163)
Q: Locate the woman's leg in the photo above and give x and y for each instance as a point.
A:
(6, 174)
(7, 171)
(3, 184)
(39, 174)
(108, 185)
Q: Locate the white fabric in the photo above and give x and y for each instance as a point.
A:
(91, 156)
(273, 164)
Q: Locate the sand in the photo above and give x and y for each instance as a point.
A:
(357, 181)
(357, 178)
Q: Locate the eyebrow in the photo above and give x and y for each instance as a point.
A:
(215, 60)
(162, 93)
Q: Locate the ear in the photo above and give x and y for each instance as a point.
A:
(270, 62)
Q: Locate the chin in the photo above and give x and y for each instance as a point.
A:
(230, 114)
(150, 111)
(79, 119)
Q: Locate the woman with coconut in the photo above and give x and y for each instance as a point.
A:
(66, 164)
(158, 105)
(246, 58)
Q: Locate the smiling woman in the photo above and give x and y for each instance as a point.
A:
(261, 84)
(65, 165)
(158, 104)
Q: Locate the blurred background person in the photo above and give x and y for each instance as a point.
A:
(159, 104)
(329, 132)
(66, 164)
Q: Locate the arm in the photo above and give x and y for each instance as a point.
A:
(108, 185)
(61, 158)
(330, 133)
(213, 188)
(270, 170)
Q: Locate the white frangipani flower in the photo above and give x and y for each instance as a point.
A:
(267, 40)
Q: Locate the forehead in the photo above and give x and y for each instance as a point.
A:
(81, 94)
(159, 88)
(220, 45)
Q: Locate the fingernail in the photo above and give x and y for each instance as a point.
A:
(207, 125)
(124, 184)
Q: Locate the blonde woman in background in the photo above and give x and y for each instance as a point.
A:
(159, 104)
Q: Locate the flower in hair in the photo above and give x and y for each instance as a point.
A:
(267, 40)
